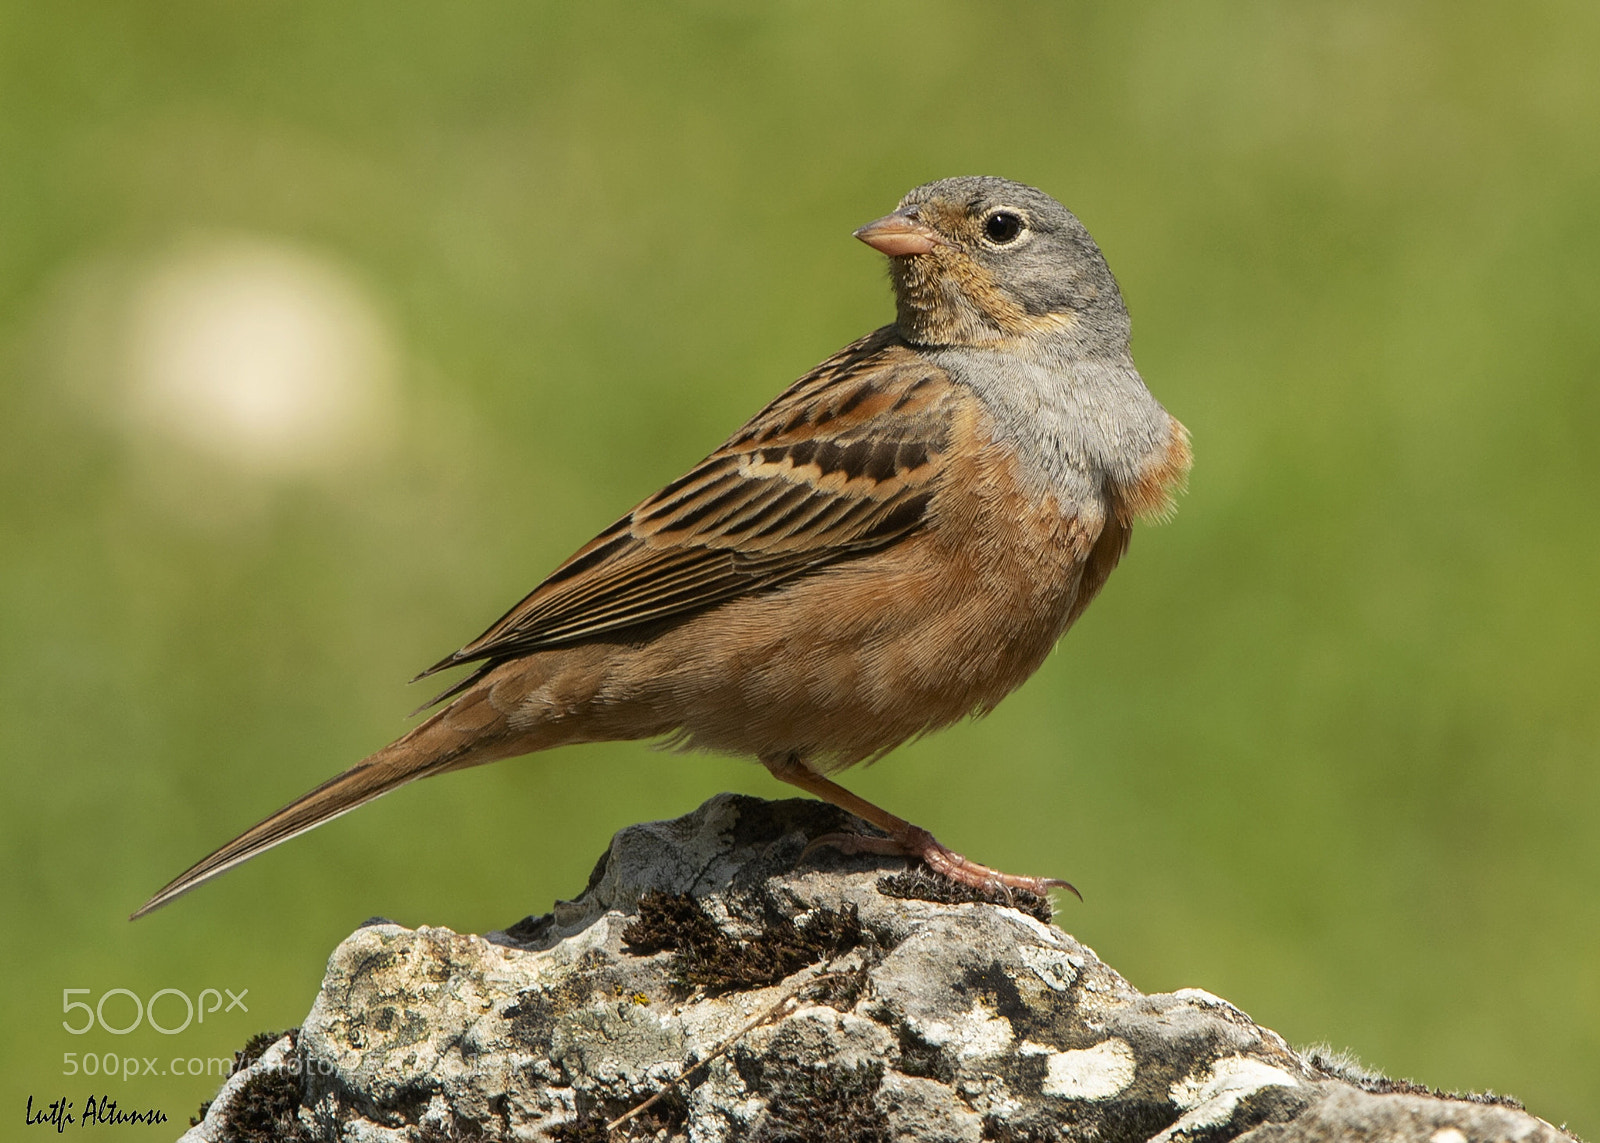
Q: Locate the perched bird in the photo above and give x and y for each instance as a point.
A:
(894, 543)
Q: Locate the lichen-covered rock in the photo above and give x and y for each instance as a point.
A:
(759, 996)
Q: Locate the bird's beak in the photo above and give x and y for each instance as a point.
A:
(899, 234)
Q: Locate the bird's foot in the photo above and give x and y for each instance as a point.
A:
(918, 843)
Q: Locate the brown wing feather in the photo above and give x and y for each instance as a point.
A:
(781, 498)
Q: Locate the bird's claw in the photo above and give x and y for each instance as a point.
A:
(921, 845)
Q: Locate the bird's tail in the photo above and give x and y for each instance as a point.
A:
(463, 734)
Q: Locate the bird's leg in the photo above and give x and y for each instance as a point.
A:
(904, 839)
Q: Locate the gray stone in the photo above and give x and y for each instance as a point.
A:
(816, 997)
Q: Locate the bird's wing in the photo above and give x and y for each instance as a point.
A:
(844, 462)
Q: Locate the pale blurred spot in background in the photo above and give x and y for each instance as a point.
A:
(229, 365)
(265, 356)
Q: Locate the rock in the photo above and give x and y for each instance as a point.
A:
(761, 994)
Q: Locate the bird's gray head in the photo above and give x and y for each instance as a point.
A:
(979, 260)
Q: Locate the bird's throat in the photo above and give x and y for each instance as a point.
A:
(944, 298)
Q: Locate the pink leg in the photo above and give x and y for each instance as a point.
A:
(904, 838)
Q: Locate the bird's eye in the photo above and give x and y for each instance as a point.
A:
(1002, 227)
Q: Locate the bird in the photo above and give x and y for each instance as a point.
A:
(894, 543)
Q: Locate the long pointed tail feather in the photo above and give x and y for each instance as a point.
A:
(461, 735)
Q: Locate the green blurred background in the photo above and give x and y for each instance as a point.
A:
(473, 279)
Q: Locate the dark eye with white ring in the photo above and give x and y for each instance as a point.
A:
(1003, 227)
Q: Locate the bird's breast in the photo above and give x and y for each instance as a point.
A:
(1082, 430)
